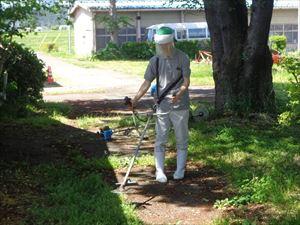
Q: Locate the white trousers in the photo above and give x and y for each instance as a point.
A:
(179, 120)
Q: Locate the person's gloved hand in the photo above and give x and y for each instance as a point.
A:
(175, 98)
(130, 103)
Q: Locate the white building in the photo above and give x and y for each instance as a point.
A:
(91, 36)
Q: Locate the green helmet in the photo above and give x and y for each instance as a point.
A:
(164, 35)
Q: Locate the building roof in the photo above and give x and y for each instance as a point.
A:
(98, 5)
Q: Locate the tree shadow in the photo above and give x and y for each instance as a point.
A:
(36, 161)
(111, 107)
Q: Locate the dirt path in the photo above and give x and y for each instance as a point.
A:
(82, 84)
(74, 79)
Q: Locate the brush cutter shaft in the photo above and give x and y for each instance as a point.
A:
(135, 153)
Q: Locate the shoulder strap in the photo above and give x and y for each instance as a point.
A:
(163, 95)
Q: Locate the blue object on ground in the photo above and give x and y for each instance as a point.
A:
(107, 135)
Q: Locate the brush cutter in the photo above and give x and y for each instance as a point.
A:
(195, 115)
(126, 181)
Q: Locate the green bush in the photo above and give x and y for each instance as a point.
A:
(292, 65)
(145, 50)
(278, 43)
(110, 52)
(50, 47)
(188, 47)
(54, 27)
(25, 76)
(138, 50)
(191, 48)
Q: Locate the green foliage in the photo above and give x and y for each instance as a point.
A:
(22, 13)
(145, 50)
(25, 75)
(110, 52)
(138, 50)
(113, 24)
(54, 27)
(278, 42)
(292, 65)
(191, 48)
(50, 47)
(261, 169)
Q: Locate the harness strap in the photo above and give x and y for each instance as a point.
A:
(165, 93)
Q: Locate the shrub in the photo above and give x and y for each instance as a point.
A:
(191, 48)
(138, 50)
(145, 50)
(110, 52)
(278, 43)
(292, 65)
(54, 27)
(25, 76)
(188, 47)
(50, 47)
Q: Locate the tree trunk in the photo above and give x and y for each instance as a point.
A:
(241, 57)
(258, 59)
(113, 13)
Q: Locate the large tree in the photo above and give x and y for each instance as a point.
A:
(242, 62)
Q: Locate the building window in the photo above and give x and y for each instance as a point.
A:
(127, 34)
(181, 34)
(197, 33)
(288, 30)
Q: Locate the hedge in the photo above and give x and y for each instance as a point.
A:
(145, 50)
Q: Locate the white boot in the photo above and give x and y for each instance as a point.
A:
(181, 161)
(159, 164)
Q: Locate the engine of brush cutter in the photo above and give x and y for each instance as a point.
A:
(105, 133)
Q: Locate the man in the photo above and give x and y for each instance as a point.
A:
(172, 69)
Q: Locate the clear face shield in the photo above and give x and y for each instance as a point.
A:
(165, 50)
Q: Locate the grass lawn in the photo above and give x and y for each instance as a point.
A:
(38, 41)
(260, 161)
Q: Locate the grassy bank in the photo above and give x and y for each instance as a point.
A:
(39, 41)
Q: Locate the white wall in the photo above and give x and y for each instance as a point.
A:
(84, 32)
(284, 16)
(150, 18)
(191, 16)
(131, 15)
